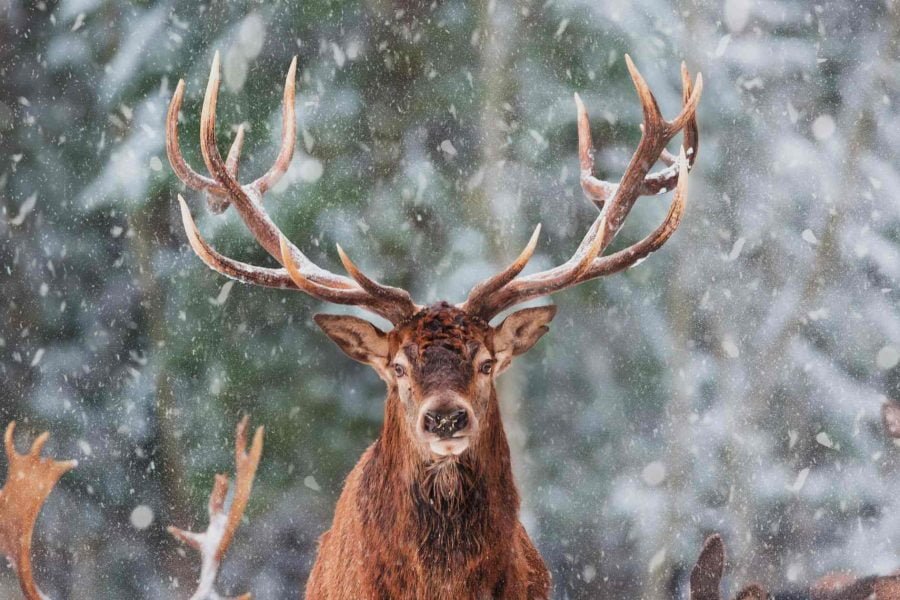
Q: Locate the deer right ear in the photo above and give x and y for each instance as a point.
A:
(360, 339)
(519, 332)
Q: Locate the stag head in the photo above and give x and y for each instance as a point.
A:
(441, 363)
(442, 360)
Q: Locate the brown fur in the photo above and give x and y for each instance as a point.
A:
(409, 526)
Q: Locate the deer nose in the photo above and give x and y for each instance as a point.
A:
(445, 423)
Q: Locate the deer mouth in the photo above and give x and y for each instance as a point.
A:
(448, 447)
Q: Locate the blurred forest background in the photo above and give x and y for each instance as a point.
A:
(730, 383)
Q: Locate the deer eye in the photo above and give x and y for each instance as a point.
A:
(399, 371)
(486, 367)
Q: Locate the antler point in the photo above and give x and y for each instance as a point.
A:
(38, 445)
(8, 439)
(349, 265)
(532, 243)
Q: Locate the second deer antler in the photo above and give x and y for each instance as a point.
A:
(29, 480)
(213, 543)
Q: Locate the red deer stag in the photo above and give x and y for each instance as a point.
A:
(431, 509)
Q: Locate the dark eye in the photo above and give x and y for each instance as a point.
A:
(486, 367)
(399, 371)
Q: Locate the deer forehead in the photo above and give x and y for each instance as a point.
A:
(439, 332)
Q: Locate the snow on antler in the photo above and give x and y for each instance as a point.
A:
(213, 543)
(29, 480)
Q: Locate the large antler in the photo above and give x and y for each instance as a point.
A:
(505, 289)
(213, 543)
(29, 480)
(223, 189)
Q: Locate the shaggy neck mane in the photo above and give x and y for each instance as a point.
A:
(447, 510)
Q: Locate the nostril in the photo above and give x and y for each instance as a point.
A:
(430, 422)
(445, 424)
(460, 419)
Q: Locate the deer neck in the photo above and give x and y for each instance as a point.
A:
(447, 510)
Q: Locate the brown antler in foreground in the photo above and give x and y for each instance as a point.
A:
(706, 579)
(29, 480)
(213, 543)
(706, 576)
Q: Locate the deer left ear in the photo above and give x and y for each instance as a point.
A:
(519, 332)
(358, 338)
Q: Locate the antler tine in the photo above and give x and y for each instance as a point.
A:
(245, 471)
(288, 135)
(29, 481)
(219, 204)
(691, 100)
(183, 170)
(213, 543)
(666, 179)
(275, 278)
(234, 153)
(541, 284)
(391, 307)
(251, 210)
(597, 190)
(652, 114)
(487, 287)
(691, 142)
(387, 293)
(656, 133)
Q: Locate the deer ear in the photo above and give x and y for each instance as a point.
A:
(519, 332)
(360, 339)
